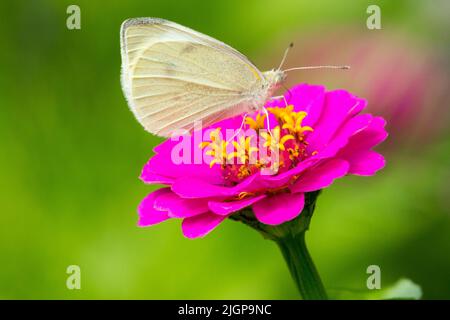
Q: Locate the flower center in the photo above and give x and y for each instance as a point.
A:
(280, 149)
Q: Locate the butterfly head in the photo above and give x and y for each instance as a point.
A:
(274, 79)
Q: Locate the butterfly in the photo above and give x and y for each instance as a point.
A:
(173, 76)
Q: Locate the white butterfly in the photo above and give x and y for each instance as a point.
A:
(173, 76)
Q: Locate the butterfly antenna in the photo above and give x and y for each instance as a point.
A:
(318, 67)
(285, 55)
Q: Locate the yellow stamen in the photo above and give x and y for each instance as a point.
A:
(280, 112)
(204, 144)
(243, 150)
(256, 124)
(244, 194)
(274, 141)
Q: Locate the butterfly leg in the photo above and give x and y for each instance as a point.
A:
(267, 120)
(240, 128)
(279, 97)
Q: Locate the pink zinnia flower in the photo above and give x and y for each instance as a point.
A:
(321, 136)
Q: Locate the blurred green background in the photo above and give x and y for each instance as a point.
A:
(71, 153)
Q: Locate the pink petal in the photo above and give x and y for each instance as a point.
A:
(225, 208)
(308, 98)
(178, 207)
(357, 152)
(338, 107)
(365, 163)
(190, 164)
(163, 165)
(341, 138)
(368, 138)
(196, 188)
(303, 97)
(279, 180)
(201, 225)
(279, 208)
(153, 178)
(148, 215)
(321, 176)
(190, 187)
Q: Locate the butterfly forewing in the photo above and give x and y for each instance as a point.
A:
(173, 76)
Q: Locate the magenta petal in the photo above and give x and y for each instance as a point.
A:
(368, 138)
(282, 179)
(308, 98)
(153, 178)
(279, 208)
(162, 164)
(321, 176)
(304, 97)
(348, 130)
(201, 225)
(171, 161)
(196, 188)
(190, 187)
(357, 152)
(178, 207)
(148, 215)
(339, 106)
(225, 208)
(365, 163)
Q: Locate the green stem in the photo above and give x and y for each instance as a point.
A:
(290, 237)
(302, 266)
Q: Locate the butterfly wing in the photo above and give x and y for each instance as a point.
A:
(173, 76)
